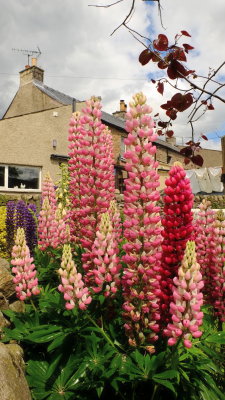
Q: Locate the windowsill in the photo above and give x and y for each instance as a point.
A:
(2, 189)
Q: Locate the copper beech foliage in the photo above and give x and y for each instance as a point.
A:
(171, 59)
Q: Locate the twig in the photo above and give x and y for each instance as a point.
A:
(107, 6)
(160, 14)
(126, 19)
(209, 79)
(203, 90)
(159, 11)
(132, 31)
(196, 108)
(175, 87)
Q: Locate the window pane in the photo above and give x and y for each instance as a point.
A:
(23, 178)
(122, 146)
(2, 176)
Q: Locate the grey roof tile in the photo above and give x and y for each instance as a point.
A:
(111, 120)
(54, 94)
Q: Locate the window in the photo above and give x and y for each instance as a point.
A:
(19, 178)
(2, 175)
(122, 147)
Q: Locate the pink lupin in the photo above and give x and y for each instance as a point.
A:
(185, 309)
(23, 268)
(205, 237)
(218, 269)
(72, 285)
(105, 252)
(142, 229)
(53, 228)
(92, 185)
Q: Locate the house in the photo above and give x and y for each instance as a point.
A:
(33, 136)
(223, 161)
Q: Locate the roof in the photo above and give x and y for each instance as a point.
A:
(54, 94)
(106, 117)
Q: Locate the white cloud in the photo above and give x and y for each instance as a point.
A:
(80, 57)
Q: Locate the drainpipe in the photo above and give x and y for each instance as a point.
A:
(74, 105)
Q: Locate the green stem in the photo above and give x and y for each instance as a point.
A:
(32, 303)
(154, 392)
(102, 332)
(173, 350)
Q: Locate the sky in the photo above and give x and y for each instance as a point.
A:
(81, 58)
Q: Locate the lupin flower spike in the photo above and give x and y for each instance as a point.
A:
(92, 175)
(185, 308)
(72, 285)
(142, 229)
(105, 251)
(178, 229)
(23, 268)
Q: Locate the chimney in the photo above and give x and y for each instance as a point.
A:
(30, 73)
(123, 109)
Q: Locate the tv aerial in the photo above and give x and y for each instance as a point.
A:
(29, 53)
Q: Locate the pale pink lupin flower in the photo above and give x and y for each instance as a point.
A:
(218, 292)
(46, 226)
(23, 268)
(76, 141)
(63, 229)
(105, 252)
(48, 190)
(92, 185)
(72, 285)
(108, 143)
(187, 300)
(141, 278)
(206, 246)
(115, 219)
(53, 229)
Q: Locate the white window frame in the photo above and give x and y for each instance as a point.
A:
(6, 179)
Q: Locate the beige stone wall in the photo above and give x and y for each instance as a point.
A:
(164, 155)
(212, 158)
(30, 99)
(27, 140)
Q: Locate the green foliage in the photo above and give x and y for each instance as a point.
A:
(85, 355)
(3, 249)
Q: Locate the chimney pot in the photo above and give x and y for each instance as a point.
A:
(123, 106)
(33, 61)
(171, 140)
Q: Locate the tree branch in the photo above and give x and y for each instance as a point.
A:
(126, 18)
(106, 6)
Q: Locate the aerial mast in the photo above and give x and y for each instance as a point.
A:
(29, 53)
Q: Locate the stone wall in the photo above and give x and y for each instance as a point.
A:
(217, 202)
(27, 198)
